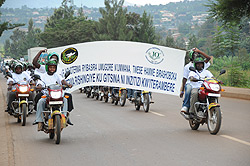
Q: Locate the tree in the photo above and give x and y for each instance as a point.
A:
(229, 11)
(32, 39)
(64, 12)
(63, 28)
(226, 40)
(7, 25)
(192, 41)
(14, 47)
(170, 40)
(184, 28)
(146, 30)
(7, 47)
(113, 24)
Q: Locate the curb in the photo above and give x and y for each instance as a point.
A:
(238, 93)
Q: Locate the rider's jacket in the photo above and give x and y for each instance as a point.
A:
(50, 79)
(202, 74)
(18, 77)
(186, 70)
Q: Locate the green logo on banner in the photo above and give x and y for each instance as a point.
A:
(69, 55)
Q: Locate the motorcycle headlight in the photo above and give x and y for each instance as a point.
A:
(215, 87)
(56, 94)
(23, 88)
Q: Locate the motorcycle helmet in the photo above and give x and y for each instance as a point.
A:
(191, 54)
(53, 54)
(199, 60)
(18, 65)
(50, 63)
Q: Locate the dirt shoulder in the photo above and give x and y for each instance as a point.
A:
(6, 140)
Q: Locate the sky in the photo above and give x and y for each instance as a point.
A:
(78, 3)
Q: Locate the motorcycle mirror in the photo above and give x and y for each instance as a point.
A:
(67, 74)
(223, 71)
(192, 68)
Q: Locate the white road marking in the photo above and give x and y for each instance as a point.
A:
(157, 113)
(235, 139)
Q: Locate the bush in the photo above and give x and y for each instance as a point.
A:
(235, 76)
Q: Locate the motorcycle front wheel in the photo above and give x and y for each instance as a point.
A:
(57, 129)
(123, 98)
(146, 102)
(24, 114)
(214, 120)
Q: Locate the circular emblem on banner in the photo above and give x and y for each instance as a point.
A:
(154, 55)
(69, 55)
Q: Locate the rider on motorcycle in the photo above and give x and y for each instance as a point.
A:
(48, 78)
(194, 77)
(186, 82)
(41, 69)
(17, 76)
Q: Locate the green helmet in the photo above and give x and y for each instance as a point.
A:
(49, 63)
(51, 54)
(199, 59)
(191, 53)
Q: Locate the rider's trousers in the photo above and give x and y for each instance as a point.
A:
(186, 101)
(193, 99)
(41, 106)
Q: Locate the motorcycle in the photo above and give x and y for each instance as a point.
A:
(21, 105)
(88, 90)
(106, 92)
(119, 95)
(54, 121)
(207, 109)
(95, 92)
(142, 98)
(122, 96)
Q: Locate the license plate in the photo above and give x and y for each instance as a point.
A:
(23, 95)
(55, 102)
(213, 95)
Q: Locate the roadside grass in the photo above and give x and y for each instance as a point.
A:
(226, 79)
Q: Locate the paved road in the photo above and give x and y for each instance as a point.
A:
(109, 135)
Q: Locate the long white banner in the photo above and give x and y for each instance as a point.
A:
(123, 64)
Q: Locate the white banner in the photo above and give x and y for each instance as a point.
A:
(123, 64)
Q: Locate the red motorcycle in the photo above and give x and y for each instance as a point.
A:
(54, 120)
(21, 105)
(53, 117)
(207, 109)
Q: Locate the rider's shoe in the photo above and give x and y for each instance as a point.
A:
(40, 126)
(35, 122)
(184, 109)
(69, 122)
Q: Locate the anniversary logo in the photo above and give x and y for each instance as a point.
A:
(69, 55)
(154, 55)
